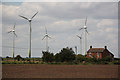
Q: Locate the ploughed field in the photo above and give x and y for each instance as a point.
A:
(59, 71)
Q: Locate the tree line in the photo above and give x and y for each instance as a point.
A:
(66, 55)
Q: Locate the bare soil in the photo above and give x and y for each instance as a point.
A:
(58, 71)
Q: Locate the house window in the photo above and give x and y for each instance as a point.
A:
(98, 54)
(89, 53)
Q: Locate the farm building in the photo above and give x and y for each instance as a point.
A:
(99, 53)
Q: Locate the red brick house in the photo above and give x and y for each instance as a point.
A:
(99, 53)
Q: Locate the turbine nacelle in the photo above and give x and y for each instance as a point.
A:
(46, 35)
(29, 20)
(85, 27)
(13, 30)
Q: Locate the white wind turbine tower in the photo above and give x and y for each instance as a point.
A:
(46, 36)
(80, 37)
(85, 36)
(30, 19)
(14, 35)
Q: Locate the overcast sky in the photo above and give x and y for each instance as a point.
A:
(63, 21)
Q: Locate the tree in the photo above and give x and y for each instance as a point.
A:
(7, 57)
(66, 55)
(58, 57)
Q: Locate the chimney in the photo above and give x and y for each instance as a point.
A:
(90, 47)
(105, 47)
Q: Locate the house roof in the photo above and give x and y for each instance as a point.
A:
(96, 50)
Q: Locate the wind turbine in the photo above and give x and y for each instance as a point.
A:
(30, 19)
(85, 37)
(80, 37)
(14, 35)
(46, 36)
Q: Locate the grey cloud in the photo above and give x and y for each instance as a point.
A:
(62, 21)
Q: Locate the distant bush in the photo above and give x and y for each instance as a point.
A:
(116, 62)
(81, 58)
(108, 59)
(18, 57)
(47, 57)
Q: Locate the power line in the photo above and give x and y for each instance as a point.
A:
(25, 48)
(17, 47)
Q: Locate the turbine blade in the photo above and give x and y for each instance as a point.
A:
(86, 21)
(15, 34)
(79, 37)
(81, 28)
(45, 30)
(24, 17)
(34, 15)
(14, 26)
(9, 31)
(49, 37)
(43, 37)
(86, 30)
